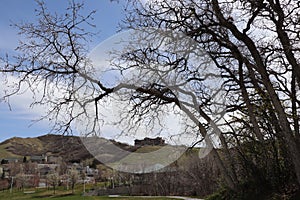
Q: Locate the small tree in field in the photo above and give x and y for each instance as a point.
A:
(22, 180)
(73, 175)
(53, 179)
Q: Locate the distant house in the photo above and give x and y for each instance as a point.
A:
(9, 160)
(54, 159)
(150, 141)
(91, 172)
(38, 159)
(43, 171)
(78, 167)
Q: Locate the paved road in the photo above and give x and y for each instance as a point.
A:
(184, 198)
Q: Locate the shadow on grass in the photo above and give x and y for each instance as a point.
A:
(53, 196)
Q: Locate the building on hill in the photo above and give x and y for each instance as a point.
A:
(150, 141)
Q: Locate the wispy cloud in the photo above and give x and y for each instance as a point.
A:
(20, 104)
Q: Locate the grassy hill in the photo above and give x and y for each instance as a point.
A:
(4, 153)
(68, 147)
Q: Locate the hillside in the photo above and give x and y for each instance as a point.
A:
(70, 148)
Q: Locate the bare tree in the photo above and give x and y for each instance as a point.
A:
(53, 60)
(53, 179)
(73, 177)
(252, 45)
(22, 180)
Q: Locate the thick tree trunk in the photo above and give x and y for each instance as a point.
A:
(261, 69)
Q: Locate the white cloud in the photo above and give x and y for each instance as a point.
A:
(21, 102)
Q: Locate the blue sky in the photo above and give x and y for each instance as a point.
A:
(16, 122)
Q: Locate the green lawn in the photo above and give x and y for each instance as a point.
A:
(44, 194)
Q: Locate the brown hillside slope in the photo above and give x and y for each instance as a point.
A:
(70, 148)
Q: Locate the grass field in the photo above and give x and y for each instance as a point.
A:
(44, 194)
